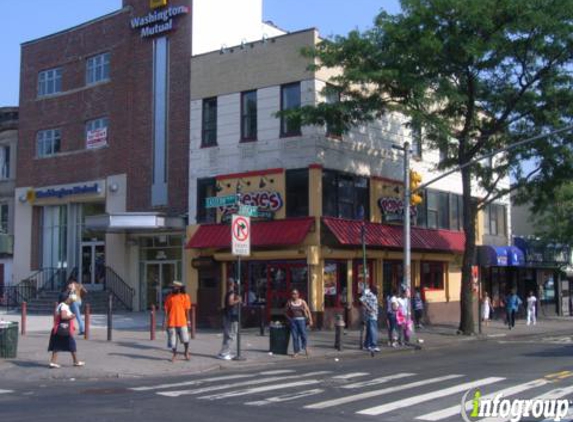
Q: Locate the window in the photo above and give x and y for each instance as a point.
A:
(345, 195)
(209, 128)
(443, 154)
(416, 127)
(249, 116)
(432, 275)
(97, 133)
(494, 220)
(4, 210)
(206, 188)
(50, 82)
(333, 128)
(297, 193)
(290, 99)
(5, 162)
(456, 206)
(437, 213)
(335, 291)
(97, 68)
(48, 142)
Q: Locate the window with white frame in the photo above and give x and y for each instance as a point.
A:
(4, 162)
(48, 142)
(97, 68)
(50, 82)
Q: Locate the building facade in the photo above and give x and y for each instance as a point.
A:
(318, 190)
(103, 162)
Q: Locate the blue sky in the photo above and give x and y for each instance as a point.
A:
(43, 17)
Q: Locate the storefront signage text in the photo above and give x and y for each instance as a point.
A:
(263, 200)
(64, 192)
(96, 138)
(393, 208)
(159, 21)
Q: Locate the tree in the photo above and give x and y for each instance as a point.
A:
(478, 75)
(552, 215)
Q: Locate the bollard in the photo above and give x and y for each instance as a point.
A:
(152, 323)
(338, 327)
(262, 320)
(24, 315)
(88, 320)
(193, 321)
(109, 316)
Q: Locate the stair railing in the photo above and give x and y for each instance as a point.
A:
(122, 291)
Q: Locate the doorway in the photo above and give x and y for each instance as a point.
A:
(92, 264)
(282, 279)
(158, 277)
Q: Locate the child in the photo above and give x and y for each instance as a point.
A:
(531, 308)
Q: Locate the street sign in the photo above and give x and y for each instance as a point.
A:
(241, 235)
(220, 201)
(248, 210)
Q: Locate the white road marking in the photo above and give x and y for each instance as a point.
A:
(286, 397)
(6, 391)
(194, 382)
(351, 375)
(410, 401)
(507, 392)
(263, 389)
(376, 393)
(278, 372)
(381, 380)
(238, 384)
(550, 395)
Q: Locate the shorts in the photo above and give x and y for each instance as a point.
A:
(177, 333)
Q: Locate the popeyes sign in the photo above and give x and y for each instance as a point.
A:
(264, 200)
(393, 208)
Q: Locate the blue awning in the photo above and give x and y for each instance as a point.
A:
(515, 256)
(493, 256)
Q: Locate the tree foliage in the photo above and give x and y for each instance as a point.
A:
(479, 75)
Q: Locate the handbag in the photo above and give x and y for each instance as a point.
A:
(63, 329)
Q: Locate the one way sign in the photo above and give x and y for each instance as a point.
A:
(241, 234)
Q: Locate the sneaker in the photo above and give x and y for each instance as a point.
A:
(80, 363)
(376, 349)
(224, 357)
(54, 366)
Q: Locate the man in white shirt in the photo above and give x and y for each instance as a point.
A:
(531, 309)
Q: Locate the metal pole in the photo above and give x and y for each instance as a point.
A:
(88, 318)
(152, 323)
(109, 316)
(239, 357)
(479, 302)
(407, 238)
(364, 279)
(24, 315)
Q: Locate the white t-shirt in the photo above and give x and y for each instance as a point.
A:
(531, 301)
(403, 303)
(392, 299)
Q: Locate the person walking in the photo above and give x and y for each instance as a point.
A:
(369, 302)
(391, 311)
(177, 306)
(486, 309)
(418, 308)
(62, 334)
(77, 289)
(531, 309)
(403, 318)
(512, 304)
(298, 314)
(230, 320)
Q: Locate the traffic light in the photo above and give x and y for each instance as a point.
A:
(415, 195)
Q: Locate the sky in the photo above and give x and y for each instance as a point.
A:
(30, 19)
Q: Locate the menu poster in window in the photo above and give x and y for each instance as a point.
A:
(330, 280)
(96, 138)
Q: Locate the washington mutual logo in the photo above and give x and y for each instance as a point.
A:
(496, 406)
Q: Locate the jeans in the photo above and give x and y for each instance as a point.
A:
(371, 334)
(75, 308)
(531, 318)
(392, 327)
(230, 329)
(298, 333)
(511, 318)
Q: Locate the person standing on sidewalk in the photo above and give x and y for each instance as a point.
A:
(391, 310)
(77, 289)
(404, 318)
(531, 309)
(230, 320)
(62, 334)
(298, 314)
(418, 308)
(369, 301)
(177, 307)
(512, 303)
(486, 309)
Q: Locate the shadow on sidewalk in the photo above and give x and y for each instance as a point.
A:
(29, 364)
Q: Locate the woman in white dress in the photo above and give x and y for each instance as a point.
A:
(486, 309)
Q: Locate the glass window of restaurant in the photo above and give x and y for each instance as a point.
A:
(297, 193)
(432, 275)
(345, 195)
(335, 291)
(206, 188)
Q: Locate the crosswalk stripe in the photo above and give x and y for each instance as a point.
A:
(286, 397)
(278, 372)
(376, 393)
(194, 382)
(351, 375)
(404, 403)
(6, 391)
(381, 380)
(557, 374)
(550, 395)
(262, 389)
(238, 384)
(507, 392)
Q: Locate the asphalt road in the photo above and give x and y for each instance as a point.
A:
(407, 386)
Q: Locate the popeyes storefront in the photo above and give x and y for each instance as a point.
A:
(300, 244)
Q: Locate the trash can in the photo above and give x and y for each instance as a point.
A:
(8, 340)
(279, 336)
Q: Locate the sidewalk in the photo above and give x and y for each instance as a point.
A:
(132, 354)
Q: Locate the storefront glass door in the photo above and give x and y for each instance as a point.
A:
(158, 278)
(92, 264)
(282, 279)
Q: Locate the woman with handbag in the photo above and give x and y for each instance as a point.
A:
(298, 314)
(62, 335)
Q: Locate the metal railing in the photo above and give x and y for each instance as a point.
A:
(52, 279)
(119, 288)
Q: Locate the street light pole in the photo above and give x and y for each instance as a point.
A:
(238, 356)
(407, 229)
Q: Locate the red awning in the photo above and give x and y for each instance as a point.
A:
(348, 233)
(265, 234)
